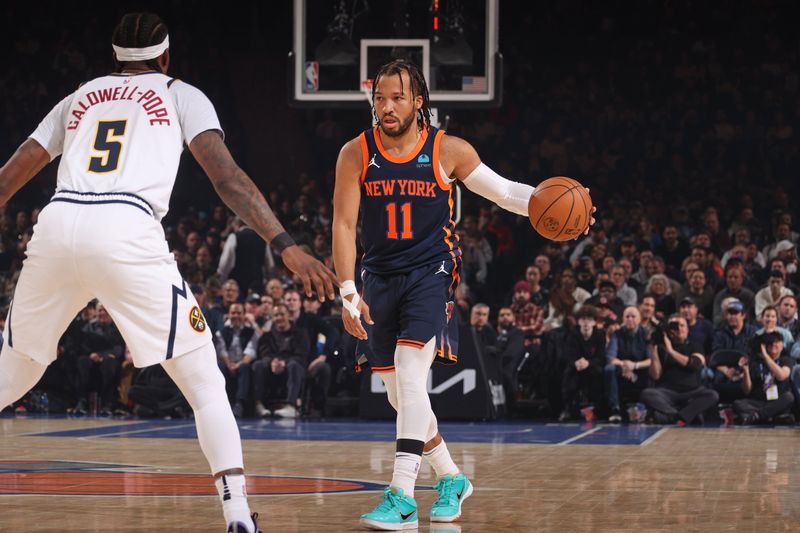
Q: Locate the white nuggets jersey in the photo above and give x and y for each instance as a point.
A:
(124, 133)
(120, 138)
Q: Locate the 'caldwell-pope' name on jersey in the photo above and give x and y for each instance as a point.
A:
(124, 133)
(406, 206)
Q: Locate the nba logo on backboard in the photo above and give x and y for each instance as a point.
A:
(312, 76)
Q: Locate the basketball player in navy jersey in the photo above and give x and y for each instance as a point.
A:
(400, 175)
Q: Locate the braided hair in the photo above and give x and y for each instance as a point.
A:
(139, 30)
(418, 87)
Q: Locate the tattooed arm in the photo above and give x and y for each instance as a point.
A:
(239, 193)
(26, 162)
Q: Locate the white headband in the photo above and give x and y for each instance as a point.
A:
(141, 54)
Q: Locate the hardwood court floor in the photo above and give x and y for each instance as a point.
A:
(60, 474)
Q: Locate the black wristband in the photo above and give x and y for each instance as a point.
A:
(282, 242)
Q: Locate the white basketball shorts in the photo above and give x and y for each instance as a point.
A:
(108, 247)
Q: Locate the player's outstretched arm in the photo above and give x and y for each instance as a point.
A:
(466, 165)
(26, 162)
(239, 193)
(346, 199)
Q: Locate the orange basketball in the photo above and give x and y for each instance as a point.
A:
(560, 209)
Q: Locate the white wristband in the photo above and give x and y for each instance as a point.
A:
(349, 287)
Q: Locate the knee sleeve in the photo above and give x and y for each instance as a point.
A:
(197, 376)
(18, 374)
(390, 382)
(414, 414)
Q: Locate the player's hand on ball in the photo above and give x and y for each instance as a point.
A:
(353, 324)
(310, 271)
(591, 218)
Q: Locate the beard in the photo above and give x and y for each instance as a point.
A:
(404, 126)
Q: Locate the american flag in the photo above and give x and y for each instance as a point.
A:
(473, 84)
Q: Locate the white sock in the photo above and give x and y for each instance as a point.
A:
(440, 460)
(406, 466)
(233, 494)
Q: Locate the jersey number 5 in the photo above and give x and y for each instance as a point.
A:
(406, 232)
(107, 140)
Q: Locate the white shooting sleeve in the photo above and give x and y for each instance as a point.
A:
(510, 195)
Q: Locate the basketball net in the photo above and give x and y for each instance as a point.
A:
(366, 89)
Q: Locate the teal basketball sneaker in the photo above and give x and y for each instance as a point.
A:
(395, 512)
(452, 490)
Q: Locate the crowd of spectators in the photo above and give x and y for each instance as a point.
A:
(680, 117)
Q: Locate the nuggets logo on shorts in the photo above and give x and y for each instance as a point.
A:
(196, 319)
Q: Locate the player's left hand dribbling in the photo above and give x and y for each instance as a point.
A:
(310, 271)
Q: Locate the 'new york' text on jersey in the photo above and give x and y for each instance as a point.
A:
(406, 206)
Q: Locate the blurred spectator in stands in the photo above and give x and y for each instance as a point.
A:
(642, 275)
(323, 338)
(733, 334)
(257, 312)
(624, 292)
(203, 267)
(647, 313)
(676, 361)
(627, 250)
(769, 322)
(766, 383)
(658, 286)
(779, 265)
(698, 290)
(607, 297)
(321, 247)
(772, 293)
(704, 260)
(673, 249)
(787, 251)
(734, 288)
(555, 251)
(701, 330)
(463, 302)
(586, 357)
(528, 316)
(720, 240)
(275, 289)
(565, 298)
(539, 295)
(682, 220)
(243, 257)
(781, 233)
(545, 268)
(627, 361)
(280, 371)
(236, 350)
(230, 293)
(646, 235)
(510, 344)
(215, 318)
(742, 238)
(585, 274)
(597, 235)
(479, 320)
(476, 253)
(99, 364)
(787, 314)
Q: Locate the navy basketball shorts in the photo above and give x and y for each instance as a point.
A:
(410, 309)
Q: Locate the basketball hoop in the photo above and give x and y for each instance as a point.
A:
(366, 89)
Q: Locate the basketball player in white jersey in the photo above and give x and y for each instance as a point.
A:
(120, 138)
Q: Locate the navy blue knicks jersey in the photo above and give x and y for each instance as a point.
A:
(406, 206)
